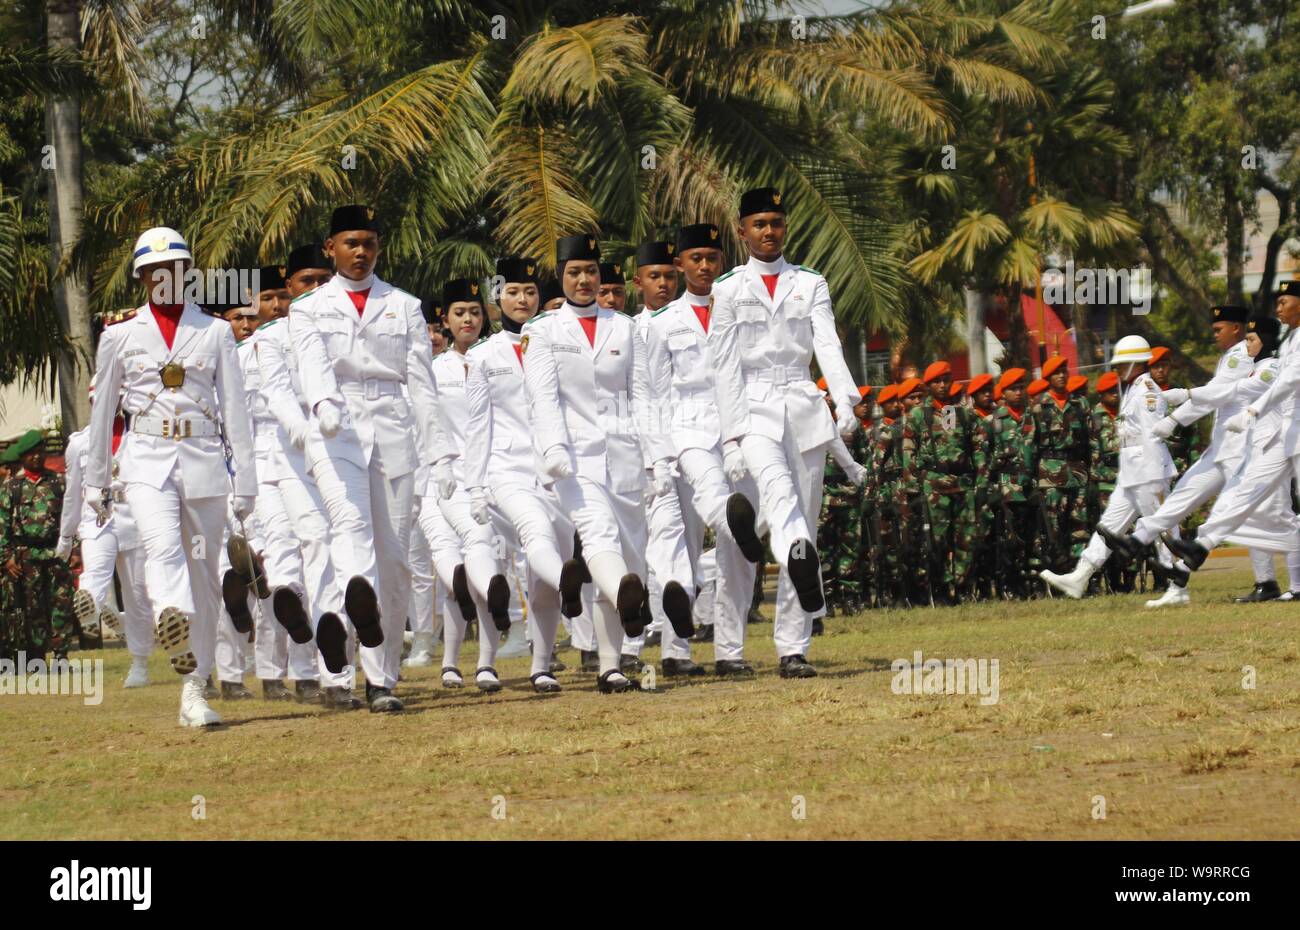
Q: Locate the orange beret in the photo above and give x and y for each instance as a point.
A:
(1053, 363)
(955, 389)
(821, 384)
(864, 390)
(1037, 387)
(997, 392)
(936, 370)
(1158, 353)
(1010, 377)
(886, 393)
(1076, 382)
(908, 386)
(978, 383)
(1107, 382)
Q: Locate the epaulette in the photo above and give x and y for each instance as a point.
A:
(481, 340)
(724, 277)
(121, 316)
(655, 313)
(810, 270)
(270, 322)
(542, 315)
(305, 294)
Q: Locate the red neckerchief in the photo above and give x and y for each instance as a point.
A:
(519, 353)
(168, 317)
(702, 314)
(1015, 414)
(889, 421)
(32, 476)
(770, 281)
(1060, 401)
(589, 327)
(1113, 413)
(978, 411)
(358, 299)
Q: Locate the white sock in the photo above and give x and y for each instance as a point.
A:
(607, 571)
(609, 634)
(1262, 564)
(544, 621)
(453, 634)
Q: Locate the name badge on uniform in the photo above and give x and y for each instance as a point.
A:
(748, 302)
(615, 352)
(561, 347)
(498, 372)
(390, 315)
(173, 375)
(680, 332)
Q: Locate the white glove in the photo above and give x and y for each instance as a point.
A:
(856, 473)
(478, 506)
(95, 498)
(64, 549)
(445, 477)
(848, 425)
(1241, 422)
(733, 461)
(330, 418)
(243, 506)
(1176, 396)
(298, 435)
(557, 462)
(1165, 427)
(661, 477)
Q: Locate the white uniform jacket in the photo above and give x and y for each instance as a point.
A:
(767, 343)
(366, 360)
(592, 399)
(1142, 457)
(1219, 395)
(132, 353)
(449, 374)
(681, 376)
(498, 437)
(78, 518)
(1281, 398)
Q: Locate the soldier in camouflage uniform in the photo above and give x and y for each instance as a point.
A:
(980, 391)
(1009, 476)
(1061, 437)
(10, 626)
(881, 514)
(839, 527)
(909, 498)
(941, 437)
(40, 619)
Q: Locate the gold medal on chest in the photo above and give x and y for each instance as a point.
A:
(173, 375)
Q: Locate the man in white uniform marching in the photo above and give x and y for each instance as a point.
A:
(769, 319)
(189, 446)
(358, 341)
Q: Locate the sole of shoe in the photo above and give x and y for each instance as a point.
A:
(234, 595)
(741, 521)
(498, 602)
(363, 610)
(332, 642)
(677, 607)
(174, 638)
(460, 591)
(803, 564)
(290, 613)
(572, 574)
(630, 600)
(83, 608)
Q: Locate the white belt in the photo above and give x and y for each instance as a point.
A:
(371, 388)
(776, 375)
(177, 428)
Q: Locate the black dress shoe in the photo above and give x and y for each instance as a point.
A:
(630, 601)
(1170, 575)
(796, 666)
(653, 639)
(340, 699)
(704, 634)
(590, 661)
(1264, 591)
(677, 668)
(677, 608)
(234, 594)
(545, 683)
(235, 691)
(332, 642)
(818, 626)
(363, 610)
(803, 565)
(307, 691)
(732, 668)
(498, 602)
(460, 593)
(572, 576)
(274, 690)
(754, 616)
(382, 700)
(557, 665)
(1128, 547)
(607, 683)
(1190, 551)
(291, 614)
(741, 520)
(629, 664)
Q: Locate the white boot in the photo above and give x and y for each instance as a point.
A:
(195, 711)
(516, 643)
(421, 651)
(1074, 584)
(1174, 596)
(138, 677)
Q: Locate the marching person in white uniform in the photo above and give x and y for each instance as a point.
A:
(769, 320)
(585, 371)
(115, 543)
(1145, 468)
(501, 469)
(189, 446)
(358, 341)
(681, 378)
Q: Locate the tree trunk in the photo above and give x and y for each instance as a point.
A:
(1234, 251)
(978, 304)
(71, 293)
(1264, 296)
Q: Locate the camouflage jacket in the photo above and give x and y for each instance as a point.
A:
(1010, 453)
(885, 460)
(942, 443)
(1061, 442)
(32, 515)
(1105, 449)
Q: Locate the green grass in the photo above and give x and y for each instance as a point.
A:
(1098, 697)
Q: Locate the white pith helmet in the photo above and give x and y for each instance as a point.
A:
(158, 246)
(1130, 350)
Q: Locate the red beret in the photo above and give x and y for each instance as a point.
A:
(864, 390)
(1010, 377)
(908, 386)
(1107, 382)
(1053, 363)
(936, 370)
(1076, 382)
(978, 383)
(955, 389)
(1158, 353)
(887, 393)
(1037, 387)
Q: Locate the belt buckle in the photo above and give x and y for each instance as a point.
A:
(167, 429)
(372, 389)
(779, 377)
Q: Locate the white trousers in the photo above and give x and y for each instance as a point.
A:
(233, 646)
(1126, 504)
(276, 655)
(179, 535)
(1198, 484)
(1265, 472)
(421, 613)
(1261, 561)
(99, 556)
(311, 529)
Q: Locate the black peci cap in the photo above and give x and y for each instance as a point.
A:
(655, 253)
(461, 289)
(612, 273)
(271, 277)
(353, 216)
(577, 248)
(1289, 289)
(1229, 313)
(432, 311)
(699, 236)
(761, 200)
(517, 270)
(311, 255)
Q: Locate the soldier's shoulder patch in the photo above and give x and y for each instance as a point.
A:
(1151, 402)
(120, 316)
(1232, 361)
(1266, 375)
(810, 270)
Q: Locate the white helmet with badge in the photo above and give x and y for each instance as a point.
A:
(1130, 350)
(159, 246)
